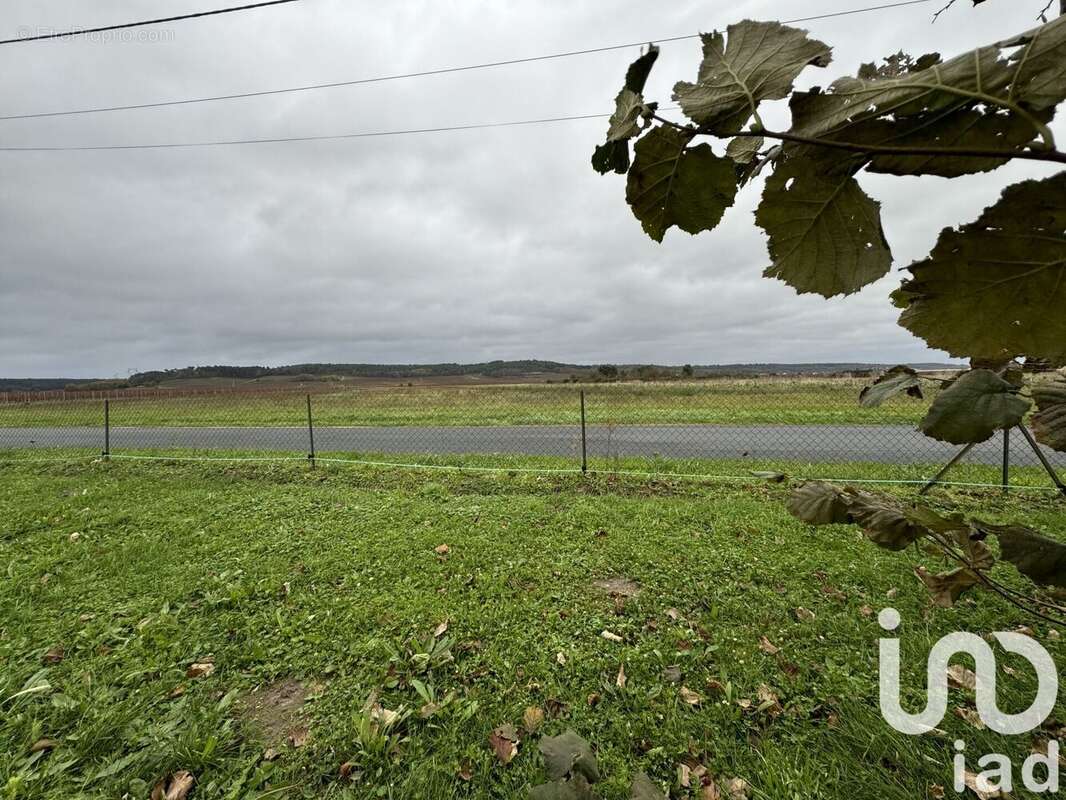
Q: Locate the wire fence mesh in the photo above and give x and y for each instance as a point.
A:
(763, 423)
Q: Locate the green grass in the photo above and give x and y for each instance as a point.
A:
(756, 401)
(277, 572)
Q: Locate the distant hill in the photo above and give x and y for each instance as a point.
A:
(494, 370)
(531, 370)
(35, 384)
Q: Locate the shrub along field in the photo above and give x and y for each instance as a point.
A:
(347, 633)
(799, 401)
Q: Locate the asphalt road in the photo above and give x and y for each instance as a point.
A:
(895, 444)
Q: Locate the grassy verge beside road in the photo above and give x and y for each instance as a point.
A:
(318, 582)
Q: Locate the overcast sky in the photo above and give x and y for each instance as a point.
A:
(461, 246)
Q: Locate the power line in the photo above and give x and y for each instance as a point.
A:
(426, 73)
(288, 139)
(67, 34)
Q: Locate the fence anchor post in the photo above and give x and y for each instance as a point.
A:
(1043, 459)
(584, 438)
(107, 430)
(947, 468)
(310, 433)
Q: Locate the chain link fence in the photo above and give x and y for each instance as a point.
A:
(758, 422)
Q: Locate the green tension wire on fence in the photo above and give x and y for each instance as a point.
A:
(751, 479)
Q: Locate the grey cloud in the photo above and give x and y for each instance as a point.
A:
(454, 246)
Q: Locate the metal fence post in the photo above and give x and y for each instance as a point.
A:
(1006, 460)
(584, 437)
(310, 433)
(107, 429)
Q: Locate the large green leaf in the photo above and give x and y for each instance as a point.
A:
(1028, 71)
(825, 232)
(759, 62)
(818, 503)
(629, 104)
(883, 521)
(672, 183)
(947, 587)
(898, 380)
(1049, 422)
(613, 155)
(1040, 558)
(744, 149)
(568, 754)
(973, 408)
(983, 129)
(576, 789)
(644, 788)
(996, 288)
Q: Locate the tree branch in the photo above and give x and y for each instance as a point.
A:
(871, 149)
(936, 16)
(1010, 595)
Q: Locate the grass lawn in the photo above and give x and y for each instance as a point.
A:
(755, 401)
(308, 592)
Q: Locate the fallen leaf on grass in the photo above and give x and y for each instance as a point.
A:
(348, 770)
(738, 788)
(554, 707)
(980, 787)
(936, 791)
(1054, 635)
(440, 630)
(44, 744)
(611, 637)
(768, 701)
(560, 659)
(442, 550)
(961, 677)
(671, 674)
(203, 669)
(299, 736)
(684, 775)
(689, 696)
(54, 655)
(378, 713)
(673, 614)
(620, 680)
(804, 614)
(768, 647)
(176, 787)
(504, 743)
(727, 789)
(270, 754)
(532, 719)
(466, 771)
(970, 716)
(866, 611)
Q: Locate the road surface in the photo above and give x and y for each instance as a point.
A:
(894, 444)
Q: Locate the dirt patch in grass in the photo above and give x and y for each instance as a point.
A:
(618, 587)
(274, 712)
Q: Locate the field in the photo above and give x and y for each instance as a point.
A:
(755, 401)
(325, 591)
